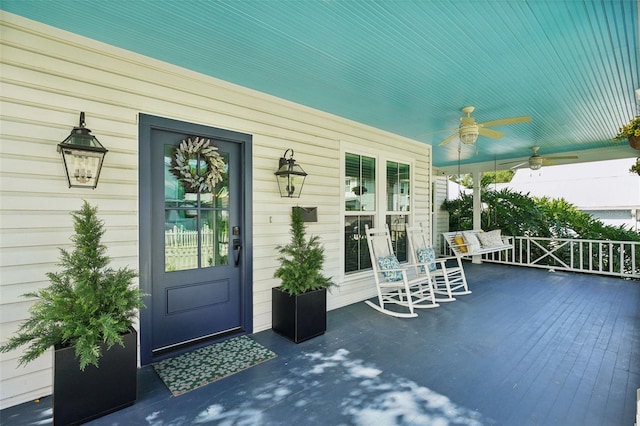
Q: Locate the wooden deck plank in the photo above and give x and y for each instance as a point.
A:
(545, 376)
(527, 347)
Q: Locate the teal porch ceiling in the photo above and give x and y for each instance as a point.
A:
(406, 67)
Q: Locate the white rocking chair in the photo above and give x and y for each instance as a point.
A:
(447, 273)
(396, 285)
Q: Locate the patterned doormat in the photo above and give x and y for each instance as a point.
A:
(194, 369)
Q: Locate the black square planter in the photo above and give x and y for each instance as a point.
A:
(79, 396)
(299, 317)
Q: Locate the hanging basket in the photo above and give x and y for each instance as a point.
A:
(634, 142)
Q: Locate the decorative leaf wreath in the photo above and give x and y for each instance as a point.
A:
(203, 179)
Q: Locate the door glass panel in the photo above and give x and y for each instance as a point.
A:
(180, 240)
(174, 193)
(196, 223)
(214, 237)
(219, 197)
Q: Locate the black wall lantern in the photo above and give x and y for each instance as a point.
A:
(290, 176)
(82, 155)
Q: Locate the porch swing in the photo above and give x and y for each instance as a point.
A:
(476, 242)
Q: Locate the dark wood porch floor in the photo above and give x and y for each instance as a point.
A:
(528, 347)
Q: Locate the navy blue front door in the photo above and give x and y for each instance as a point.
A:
(197, 241)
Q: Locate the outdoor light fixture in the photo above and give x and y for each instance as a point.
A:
(290, 176)
(469, 134)
(82, 155)
(535, 162)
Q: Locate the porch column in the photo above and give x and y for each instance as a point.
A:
(477, 208)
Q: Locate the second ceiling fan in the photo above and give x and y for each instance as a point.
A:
(469, 128)
(536, 161)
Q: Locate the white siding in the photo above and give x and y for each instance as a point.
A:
(48, 76)
(441, 216)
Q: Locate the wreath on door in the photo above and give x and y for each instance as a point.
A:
(184, 164)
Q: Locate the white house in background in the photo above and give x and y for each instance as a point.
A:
(605, 189)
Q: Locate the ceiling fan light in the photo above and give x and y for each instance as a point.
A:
(535, 163)
(469, 134)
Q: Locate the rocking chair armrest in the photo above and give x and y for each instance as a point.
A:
(446, 258)
(438, 261)
(426, 265)
(442, 261)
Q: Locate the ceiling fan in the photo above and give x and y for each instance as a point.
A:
(469, 129)
(536, 161)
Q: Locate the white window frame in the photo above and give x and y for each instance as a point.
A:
(380, 213)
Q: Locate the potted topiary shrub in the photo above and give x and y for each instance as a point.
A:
(635, 168)
(86, 314)
(299, 304)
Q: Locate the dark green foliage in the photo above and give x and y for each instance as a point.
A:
(499, 176)
(566, 221)
(87, 302)
(301, 260)
(514, 213)
(521, 215)
(460, 212)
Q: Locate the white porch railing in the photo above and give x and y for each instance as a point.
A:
(617, 258)
(181, 248)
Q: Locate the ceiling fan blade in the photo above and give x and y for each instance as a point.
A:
(436, 131)
(511, 162)
(549, 161)
(447, 140)
(502, 121)
(525, 163)
(563, 157)
(490, 133)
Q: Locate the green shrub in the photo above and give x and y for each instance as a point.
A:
(86, 304)
(301, 260)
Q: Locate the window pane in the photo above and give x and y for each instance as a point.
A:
(356, 255)
(398, 186)
(352, 182)
(368, 176)
(397, 227)
(360, 183)
(360, 195)
(404, 178)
